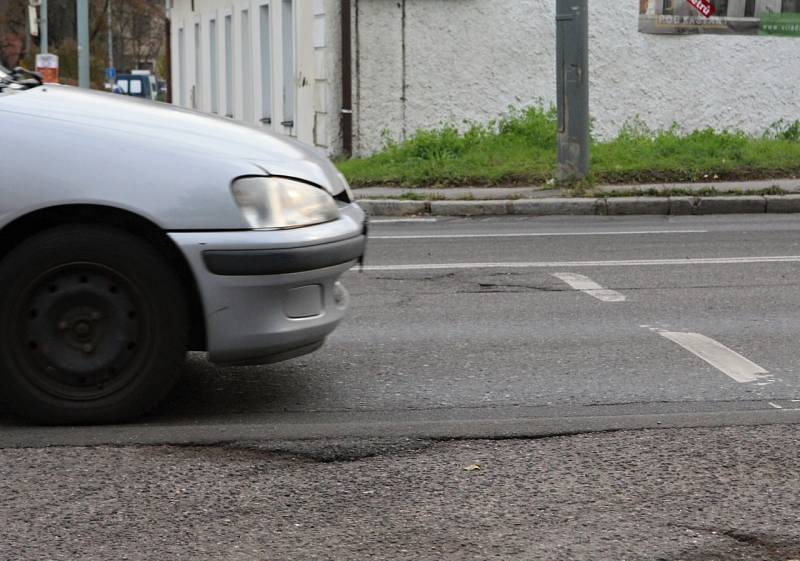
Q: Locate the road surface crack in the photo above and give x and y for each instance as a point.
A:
(334, 450)
(430, 278)
(745, 545)
(492, 288)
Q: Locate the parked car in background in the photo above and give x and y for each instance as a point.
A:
(132, 232)
(152, 81)
(139, 83)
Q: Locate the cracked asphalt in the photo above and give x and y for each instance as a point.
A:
(459, 332)
(668, 495)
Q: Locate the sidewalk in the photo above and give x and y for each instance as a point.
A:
(741, 197)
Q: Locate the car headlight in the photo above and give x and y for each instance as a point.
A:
(277, 202)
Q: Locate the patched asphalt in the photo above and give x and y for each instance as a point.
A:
(668, 495)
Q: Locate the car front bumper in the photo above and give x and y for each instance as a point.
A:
(272, 295)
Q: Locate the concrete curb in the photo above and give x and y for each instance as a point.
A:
(469, 208)
(611, 206)
(731, 205)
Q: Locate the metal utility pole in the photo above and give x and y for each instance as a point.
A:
(110, 38)
(28, 30)
(572, 76)
(43, 27)
(83, 43)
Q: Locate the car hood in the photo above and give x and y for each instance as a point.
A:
(126, 121)
(67, 146)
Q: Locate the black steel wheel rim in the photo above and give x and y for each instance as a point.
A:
(83, 331)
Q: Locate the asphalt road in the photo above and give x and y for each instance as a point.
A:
(461, 331)
(663, 495)
(479, 328)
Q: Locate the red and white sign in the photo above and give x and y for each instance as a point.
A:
(704, 7)
(47, 66)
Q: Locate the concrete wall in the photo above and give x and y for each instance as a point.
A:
(419, 63)
(328, 63)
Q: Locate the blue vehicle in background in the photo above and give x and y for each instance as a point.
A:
(139, 83)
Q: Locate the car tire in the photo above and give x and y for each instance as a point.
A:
(94, 326)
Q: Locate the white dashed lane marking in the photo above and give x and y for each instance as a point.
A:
(782, 408)
(588, 286)
(719, 356)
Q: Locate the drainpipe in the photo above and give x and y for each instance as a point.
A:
(168, 55)
(347, 80)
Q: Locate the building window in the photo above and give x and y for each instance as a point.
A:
(791, 6)
(287, 31)
(266, 66)
(228, 66)
(198, 68)
(214, 64)
(247, 68)
(669, 7)
(750, 9)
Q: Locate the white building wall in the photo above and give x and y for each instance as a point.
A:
(193, 89)
(328, 61)
(420, 63)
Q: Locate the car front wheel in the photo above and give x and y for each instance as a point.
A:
(94, 326)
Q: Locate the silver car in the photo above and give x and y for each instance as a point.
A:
(132, 232)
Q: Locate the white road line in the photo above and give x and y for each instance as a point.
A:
(588, 286)
(571, 264)
(399, 220)
(780, 408)
(535, 235)
(718, 355)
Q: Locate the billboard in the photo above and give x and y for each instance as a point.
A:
(737, 17)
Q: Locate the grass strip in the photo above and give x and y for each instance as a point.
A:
(520, 148)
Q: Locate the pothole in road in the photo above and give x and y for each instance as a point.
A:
(333, 450)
